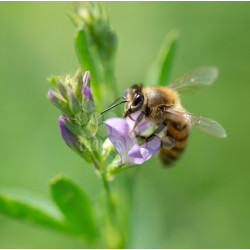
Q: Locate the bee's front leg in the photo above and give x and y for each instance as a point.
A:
(138, 120)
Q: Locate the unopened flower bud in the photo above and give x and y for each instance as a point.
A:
(86, 79)
(94, 18)
(58, 101)
(62, 88)
(77, 84)
(74, 104)
(70, 138)
(87, 102)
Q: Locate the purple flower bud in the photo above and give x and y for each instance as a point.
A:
(70, 138)
(126, 145)
(86, 79)
(54, 96)
(86, 92)
(86, 87)
(58, 101)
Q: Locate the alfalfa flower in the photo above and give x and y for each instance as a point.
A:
(130, 152)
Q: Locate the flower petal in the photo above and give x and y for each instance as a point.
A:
(150, 148)
(67, 135)
(134, 156)
(118, 130)
(126, 92)
(139, 154)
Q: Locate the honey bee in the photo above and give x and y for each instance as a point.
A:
(162, 107)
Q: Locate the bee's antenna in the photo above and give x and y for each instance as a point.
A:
(123, 97)
(113, 106)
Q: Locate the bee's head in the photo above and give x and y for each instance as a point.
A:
(135, 99)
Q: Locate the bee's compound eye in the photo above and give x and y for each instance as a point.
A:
(136, 100)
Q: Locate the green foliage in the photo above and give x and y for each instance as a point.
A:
(161, 68)
(31, 209)
(71, 213)
(75, 205)
(87, 61)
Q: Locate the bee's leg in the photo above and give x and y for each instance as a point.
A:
(169, 142)
(141, 137)
(138, 120)
(157, 131)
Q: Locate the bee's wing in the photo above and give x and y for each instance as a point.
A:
(206, 124)
(195, 81)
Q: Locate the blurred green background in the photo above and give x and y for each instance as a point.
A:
(203, 201)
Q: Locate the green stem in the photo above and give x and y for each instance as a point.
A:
(107, 189)
(116, 239)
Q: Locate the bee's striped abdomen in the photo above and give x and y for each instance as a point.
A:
(177, 132)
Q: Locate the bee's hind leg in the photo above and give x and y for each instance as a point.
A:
(154, 134)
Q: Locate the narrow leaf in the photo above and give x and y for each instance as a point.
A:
(75, 205)
(160, 70)
(86, 59)
(31, 209)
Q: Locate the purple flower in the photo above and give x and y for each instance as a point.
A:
(126, 92)
(126, 145)
(70, 138)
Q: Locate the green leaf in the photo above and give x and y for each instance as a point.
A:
(160, 70)
(75, 205)
(31, 209)
(86, 58)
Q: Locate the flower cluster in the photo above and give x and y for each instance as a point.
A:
(79, 124)
(94, 18)
(79, 121)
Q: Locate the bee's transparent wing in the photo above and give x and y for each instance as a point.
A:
(195, 81)
(206, 124)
